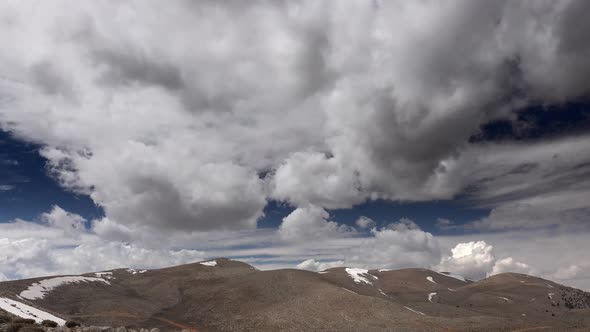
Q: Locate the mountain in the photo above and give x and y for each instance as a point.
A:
(227, 295)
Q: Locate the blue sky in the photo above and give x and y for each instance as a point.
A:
(34, 191)
(291, 134)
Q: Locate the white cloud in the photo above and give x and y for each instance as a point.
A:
(313, 265)
(510, 265)
(308, 177)
(29, 249)
(403, 224)
(569, 272)
(61, 245)
(397, 246)
(471, 259)
(6, 187)
(365, 222)
(60, 218)
(544, 251)
(310, 223)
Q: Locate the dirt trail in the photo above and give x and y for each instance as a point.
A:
(530, 329)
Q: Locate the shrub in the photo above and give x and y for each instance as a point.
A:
(31, 328)
(70, 324)
(23, 321)
(49, 323)
(13, 327)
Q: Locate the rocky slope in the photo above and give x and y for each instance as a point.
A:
(226, 295)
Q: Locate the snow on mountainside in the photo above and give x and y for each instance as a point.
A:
(104, 275)
(134, 271)
(430, 296)
(360, 275)
(39, 289)
(209, 263)
(26, 311)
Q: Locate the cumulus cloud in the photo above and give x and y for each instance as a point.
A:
(399, 245)
(471, 259)
(171, 123)
(310, 223)
(571, 272)
(60, 218)
(313, 265)
(365, 222)
(308, 177)
(508, 264)
(60, 245)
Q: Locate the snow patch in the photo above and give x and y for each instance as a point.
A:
(39, 289)
(524, 315)
(429, 278)
(209, 263)
(25, 311)
(430, 295)
(549, 286)
(550, 295)
(522, 281)
(452, 290)
(134, 271)
(380, 291)
(415, 311)
(383, 270)
(104, 275)
(504, 298)
(359, 275)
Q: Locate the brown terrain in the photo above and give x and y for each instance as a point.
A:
(234, 296)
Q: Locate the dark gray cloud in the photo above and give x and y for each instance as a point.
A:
(51, 80)
(128, 66)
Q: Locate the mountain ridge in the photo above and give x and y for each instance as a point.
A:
(229, 295)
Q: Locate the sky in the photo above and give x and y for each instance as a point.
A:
(291, 134)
